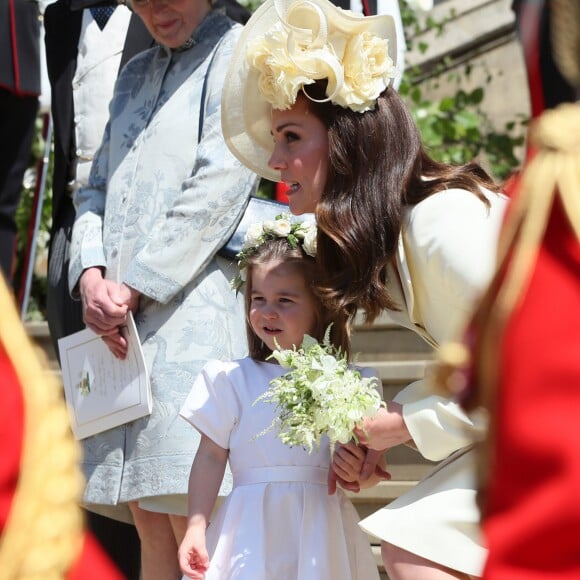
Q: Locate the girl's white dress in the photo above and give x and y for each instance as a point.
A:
(278, 523)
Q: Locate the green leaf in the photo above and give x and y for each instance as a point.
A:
(476, 96)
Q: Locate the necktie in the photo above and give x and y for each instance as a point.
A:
(101, 14)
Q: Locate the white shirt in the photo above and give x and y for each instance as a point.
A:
(99, 56)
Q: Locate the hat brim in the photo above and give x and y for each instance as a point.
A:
(246, 115)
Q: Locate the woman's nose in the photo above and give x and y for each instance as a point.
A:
(276, 161)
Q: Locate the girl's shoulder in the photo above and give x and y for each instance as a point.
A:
(214, 367)
(231, 368)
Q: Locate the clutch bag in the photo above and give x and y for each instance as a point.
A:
(257, 210)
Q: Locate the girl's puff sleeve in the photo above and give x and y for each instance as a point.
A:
(212, 406)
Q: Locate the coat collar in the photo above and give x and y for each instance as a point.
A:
(402, 292)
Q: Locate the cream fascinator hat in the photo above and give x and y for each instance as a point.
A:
(288, 44)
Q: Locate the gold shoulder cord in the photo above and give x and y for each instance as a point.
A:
(553, 173)
(43, 534)
(555, 170)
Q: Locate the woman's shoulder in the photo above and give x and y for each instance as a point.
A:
(452, 235)
(452, 210)
(458, 197)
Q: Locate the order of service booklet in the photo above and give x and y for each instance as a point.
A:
(101, 390)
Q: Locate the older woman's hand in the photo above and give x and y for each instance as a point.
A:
(104, 309)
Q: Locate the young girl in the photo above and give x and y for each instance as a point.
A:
(279, 521)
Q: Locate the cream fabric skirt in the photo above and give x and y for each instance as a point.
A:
(438, 519)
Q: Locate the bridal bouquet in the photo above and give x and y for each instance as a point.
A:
(321, 395)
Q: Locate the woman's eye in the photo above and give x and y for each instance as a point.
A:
(291, 136)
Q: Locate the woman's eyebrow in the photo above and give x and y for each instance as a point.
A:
(283, 126)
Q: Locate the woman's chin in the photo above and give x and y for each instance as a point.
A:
(300, 206)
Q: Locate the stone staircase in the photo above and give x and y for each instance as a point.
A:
(400, 357)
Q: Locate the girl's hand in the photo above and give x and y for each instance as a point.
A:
(192, 553)
(354, 467)
(348, 461)
(385, 430)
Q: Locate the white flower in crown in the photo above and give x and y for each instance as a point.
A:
(280, 227)
(305, 228)
(297, 233)
(253, 235)
(309, 243)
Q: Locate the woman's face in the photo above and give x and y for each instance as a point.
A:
(300, 155)
(171, 22)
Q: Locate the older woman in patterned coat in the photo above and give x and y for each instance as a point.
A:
(164, 195)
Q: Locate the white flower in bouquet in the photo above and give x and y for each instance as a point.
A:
(321, 395)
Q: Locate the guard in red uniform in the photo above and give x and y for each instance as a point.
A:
(526, 335)
(42, 531)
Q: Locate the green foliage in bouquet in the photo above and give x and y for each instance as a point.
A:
(321, 395)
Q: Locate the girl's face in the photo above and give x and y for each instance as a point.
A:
(282, 306)
(171, 22)
(300, 154)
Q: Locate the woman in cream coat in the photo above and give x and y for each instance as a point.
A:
(398, 231)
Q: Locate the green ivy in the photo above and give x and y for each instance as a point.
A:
(456, 128)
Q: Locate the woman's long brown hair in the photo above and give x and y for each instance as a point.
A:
(377, 166)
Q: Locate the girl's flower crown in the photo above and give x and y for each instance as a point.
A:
(298, 233)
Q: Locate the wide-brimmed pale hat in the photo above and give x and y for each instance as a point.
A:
(288, 44)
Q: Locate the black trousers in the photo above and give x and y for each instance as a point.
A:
(120, 541)
(17, 122)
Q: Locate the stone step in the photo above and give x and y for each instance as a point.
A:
(383, 341)
(387, 340)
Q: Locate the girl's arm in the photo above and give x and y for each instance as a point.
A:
(205, 478)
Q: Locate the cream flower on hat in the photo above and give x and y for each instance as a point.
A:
(306, 45)
(280, 79)
(368, 70)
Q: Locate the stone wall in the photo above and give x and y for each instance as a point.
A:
(481, 33)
